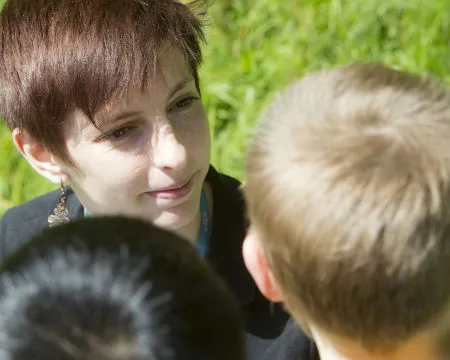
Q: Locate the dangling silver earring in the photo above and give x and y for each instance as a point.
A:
(60, 213)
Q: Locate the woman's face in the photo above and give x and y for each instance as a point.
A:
(150, 155)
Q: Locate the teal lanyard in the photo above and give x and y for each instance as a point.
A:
(205, 228)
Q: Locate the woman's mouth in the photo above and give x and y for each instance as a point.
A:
(174, 192)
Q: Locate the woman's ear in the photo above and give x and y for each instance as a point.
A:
(40, 159)
(256, 263)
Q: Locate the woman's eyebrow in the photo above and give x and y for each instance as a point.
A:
(120, 116)
(180, 86)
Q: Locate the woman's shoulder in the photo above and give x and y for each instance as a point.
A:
(228, 206)
(222, 182)
(26, 220)
(227, 194)
(264, 320)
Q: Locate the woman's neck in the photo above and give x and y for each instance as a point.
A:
(191, 230)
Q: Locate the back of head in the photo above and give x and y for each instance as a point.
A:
(348, 186)
(114, 288)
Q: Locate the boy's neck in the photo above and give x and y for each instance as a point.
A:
(421, 347)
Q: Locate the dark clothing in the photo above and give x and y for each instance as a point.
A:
(264, 321)
(292, 344)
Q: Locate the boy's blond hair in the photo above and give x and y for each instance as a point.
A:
(348, 187)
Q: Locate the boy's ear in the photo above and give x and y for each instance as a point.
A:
(40, 159)
(257, 266)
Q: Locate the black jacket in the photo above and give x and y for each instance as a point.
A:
(292, 344)
(264, 321)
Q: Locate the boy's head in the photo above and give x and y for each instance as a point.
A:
(348, 189)
(114, 288)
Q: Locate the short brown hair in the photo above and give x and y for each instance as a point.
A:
(66, 55)
(348, 185)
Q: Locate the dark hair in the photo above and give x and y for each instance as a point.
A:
(114, 288)
(66, 55)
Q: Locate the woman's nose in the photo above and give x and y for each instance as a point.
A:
(169, 153)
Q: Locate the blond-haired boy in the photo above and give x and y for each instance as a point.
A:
(348, 190)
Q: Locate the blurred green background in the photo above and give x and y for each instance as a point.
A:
(257, 47)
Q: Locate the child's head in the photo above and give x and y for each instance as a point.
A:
(348, 189)
(105, 94)
(114, 288)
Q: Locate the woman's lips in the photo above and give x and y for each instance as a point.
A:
(174, 193)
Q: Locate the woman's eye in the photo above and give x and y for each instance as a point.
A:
(184, 103)
(119, 133)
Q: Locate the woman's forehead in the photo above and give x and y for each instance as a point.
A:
(172, 79)
(172, 75)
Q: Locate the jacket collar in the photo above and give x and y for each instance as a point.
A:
(228, 233)
(73, 204)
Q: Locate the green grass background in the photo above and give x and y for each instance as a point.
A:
(257, 47)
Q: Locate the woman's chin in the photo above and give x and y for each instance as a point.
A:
(177, 218)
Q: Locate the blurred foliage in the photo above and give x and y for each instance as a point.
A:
(257, 47)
